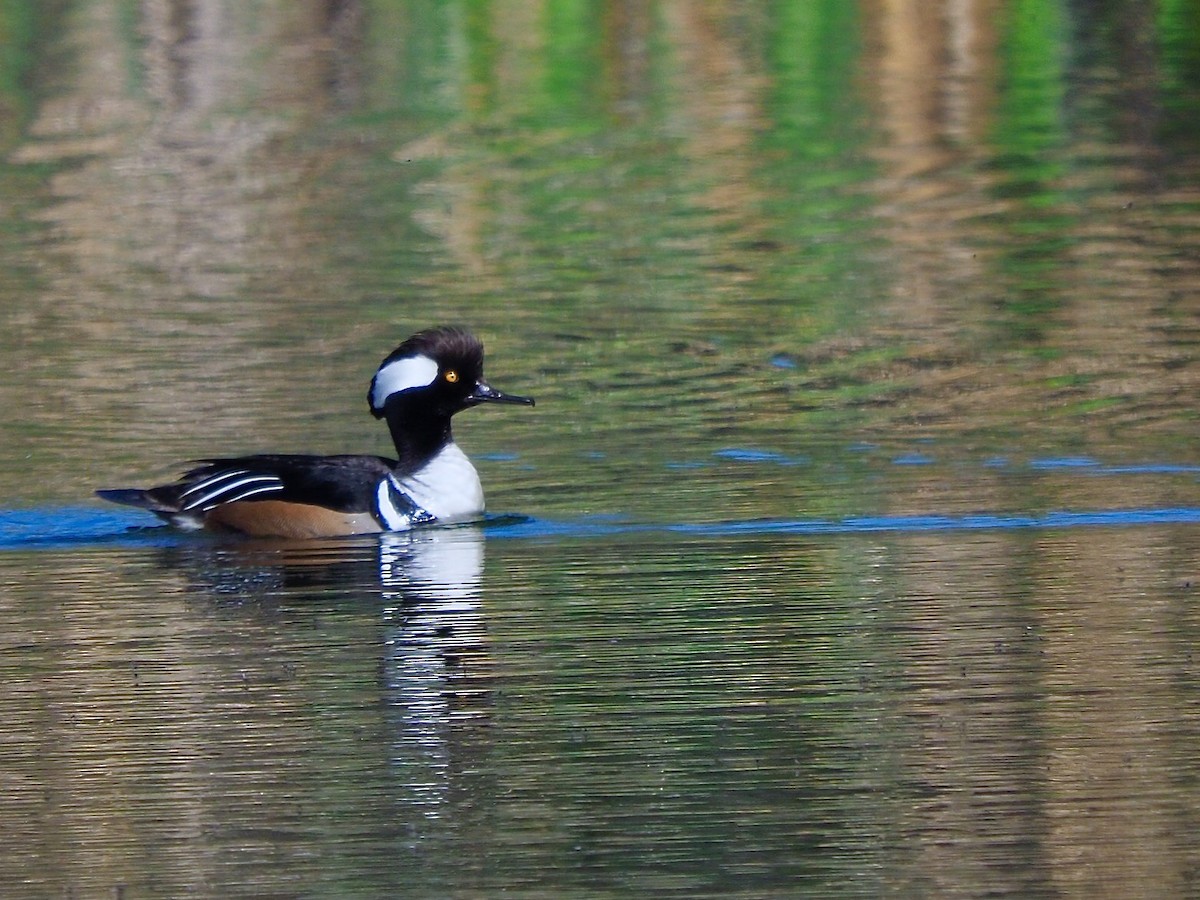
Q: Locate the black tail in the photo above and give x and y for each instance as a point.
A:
(132, 497)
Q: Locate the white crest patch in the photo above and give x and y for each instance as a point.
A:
(400, 375)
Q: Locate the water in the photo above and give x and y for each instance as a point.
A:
(851, 549)
(963, 705)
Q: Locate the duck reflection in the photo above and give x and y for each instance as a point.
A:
(426, 640)
(435, 665)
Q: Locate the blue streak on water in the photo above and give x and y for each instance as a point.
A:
(499, 457)
(27, 529)
(1063, 462)
(1063, 519)
(748, 455)
(1150, 469)
(912, 459)
(57, 529)
(1087, 466)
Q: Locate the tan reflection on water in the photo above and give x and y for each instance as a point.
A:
(997, 711)
(1118, 718)
(173, 206)
(177, 181)
(194, 221)
(1043, 701)
(956, 226)
(205, 722)
(1043, 698)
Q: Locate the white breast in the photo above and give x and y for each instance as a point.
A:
(447, 486)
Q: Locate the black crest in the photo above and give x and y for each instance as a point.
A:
(453, 349)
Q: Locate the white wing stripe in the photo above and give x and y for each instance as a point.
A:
(205, 483)
(226, 491)
(273, 488)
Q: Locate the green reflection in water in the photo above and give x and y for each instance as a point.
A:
(666, 222)
(1179, 38)
(654, 253)
(27, 55)
(1030, 133)
(678, 228)
(815, 142)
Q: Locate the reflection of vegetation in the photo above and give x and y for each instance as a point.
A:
(24, 25)
(27, 61)
(616, 181)
(1030, 131)
(814, 145)
(1032, 116)
(632, 212)
(813, 57)
(574, 39)
(1179, 31)
(16, 28)
(681, 217)
(650, 199)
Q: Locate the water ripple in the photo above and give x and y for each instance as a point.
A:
(55, 528)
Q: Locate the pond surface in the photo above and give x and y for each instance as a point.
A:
(852, 549)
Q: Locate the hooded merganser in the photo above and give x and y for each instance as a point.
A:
(418, 387)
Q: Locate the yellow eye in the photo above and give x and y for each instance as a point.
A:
(451, 376)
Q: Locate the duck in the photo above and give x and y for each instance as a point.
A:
(417, 389)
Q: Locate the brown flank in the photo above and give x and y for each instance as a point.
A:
(279, 518)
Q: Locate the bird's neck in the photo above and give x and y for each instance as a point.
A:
(418, 439)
